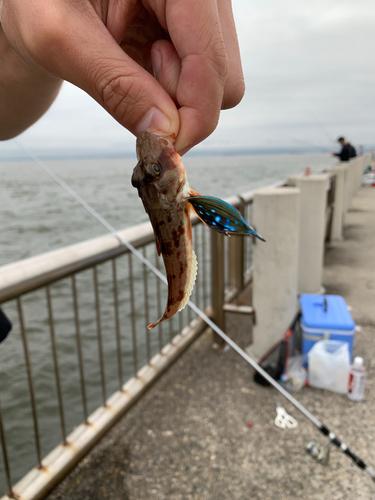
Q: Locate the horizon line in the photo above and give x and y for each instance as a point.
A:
(103, 154)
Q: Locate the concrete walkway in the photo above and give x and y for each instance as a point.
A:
(188, 438)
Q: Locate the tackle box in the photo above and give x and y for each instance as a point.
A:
(325, 317)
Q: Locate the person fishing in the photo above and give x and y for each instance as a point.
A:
(164, 64)
(347, 150)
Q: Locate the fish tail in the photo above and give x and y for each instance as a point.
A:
(193, 277)
(256, 234)
(152, 325)
(188, 291)
(220, 216)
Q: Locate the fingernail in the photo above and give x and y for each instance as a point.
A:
(182, 151)
(182, 146)
(154, 119)
(156, 62)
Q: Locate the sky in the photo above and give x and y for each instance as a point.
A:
(309, 73)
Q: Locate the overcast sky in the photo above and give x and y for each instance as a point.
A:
(309, 72)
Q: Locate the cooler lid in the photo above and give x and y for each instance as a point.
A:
(329, 312)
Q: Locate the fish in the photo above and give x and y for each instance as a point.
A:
(168, 200)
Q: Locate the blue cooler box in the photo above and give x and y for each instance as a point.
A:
(325, 317)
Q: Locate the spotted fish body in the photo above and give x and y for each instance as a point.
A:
(167, 198)
(162, 186)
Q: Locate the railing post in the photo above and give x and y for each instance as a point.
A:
(218, 281)
(236, 260)
(5, 458)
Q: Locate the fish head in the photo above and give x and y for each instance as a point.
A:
(159, 170)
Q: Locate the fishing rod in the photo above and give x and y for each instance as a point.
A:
(320, 126)
(323, 429)
(303, 143)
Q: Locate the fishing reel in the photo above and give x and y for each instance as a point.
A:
(319, 453)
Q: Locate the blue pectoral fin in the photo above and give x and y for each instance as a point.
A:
(220, 216)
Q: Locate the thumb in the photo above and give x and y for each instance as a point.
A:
(89, 57)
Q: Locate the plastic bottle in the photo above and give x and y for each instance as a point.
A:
(356, 380)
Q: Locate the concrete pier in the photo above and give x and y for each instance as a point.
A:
(206, 431)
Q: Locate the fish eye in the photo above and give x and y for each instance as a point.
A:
(155, 168)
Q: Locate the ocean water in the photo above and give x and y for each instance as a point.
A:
(36, 216)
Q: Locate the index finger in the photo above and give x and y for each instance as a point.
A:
(195, 31)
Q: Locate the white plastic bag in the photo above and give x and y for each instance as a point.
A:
(329, 365)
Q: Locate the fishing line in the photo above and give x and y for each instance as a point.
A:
(319, 125)
(201, 314)
(303, 143)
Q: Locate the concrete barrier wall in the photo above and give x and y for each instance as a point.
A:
(350, 183)
(312, 216)
(340, 172)
(356, 167)
(293, 221)
(275, 278)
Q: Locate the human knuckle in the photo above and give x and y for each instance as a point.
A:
(45, 35)
(218, 56)
(120, 94)
(220, 64)
(233, 94)
(207, 124)
(35, 40)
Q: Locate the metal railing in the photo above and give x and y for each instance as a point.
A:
(88, 305)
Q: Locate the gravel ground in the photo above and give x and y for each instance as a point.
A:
(188, 437)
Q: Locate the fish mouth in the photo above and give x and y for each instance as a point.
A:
(137, 179)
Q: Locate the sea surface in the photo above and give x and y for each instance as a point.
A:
(36, 216)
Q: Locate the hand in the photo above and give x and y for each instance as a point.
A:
(25, 92)
(112, 48)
